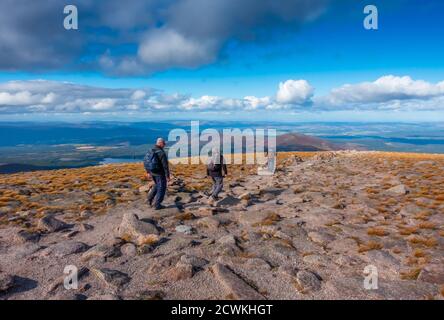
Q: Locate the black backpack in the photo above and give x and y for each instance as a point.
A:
(151, 162)
(215, 167)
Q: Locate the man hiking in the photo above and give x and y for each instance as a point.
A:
(156, 165)
(216, 169)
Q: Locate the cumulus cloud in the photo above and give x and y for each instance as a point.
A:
(63, 97)
(294, 92)
(387, 92)
(138, 36)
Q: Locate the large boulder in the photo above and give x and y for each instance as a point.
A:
(132, 229)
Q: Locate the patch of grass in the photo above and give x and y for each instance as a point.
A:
(377, 231)
(271, 219)
(419, 253)
(406, 231)
(425, 241)
(411, 274)
(184, 216)
(371, 245)
(427, 225)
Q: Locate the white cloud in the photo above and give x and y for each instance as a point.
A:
(294, 92)
(138, 94)
(384, 90)
(163, 48)
(386, 93)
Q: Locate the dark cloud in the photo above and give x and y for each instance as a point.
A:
(137, 36)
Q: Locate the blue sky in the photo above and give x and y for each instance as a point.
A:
(312, 48)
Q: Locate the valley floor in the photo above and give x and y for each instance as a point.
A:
(311, 231)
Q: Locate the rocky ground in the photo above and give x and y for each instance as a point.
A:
(308, 232)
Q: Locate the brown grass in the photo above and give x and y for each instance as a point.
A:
(427, 225)
(425, 241)
(411, 274)
(371, 245)
(185, 216)
(271, 219)
(406, 231)
(377, 231)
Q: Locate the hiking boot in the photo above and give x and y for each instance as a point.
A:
(150, 202)
(159, 207)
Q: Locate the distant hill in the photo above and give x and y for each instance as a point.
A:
(300, 142)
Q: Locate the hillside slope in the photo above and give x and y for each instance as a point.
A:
(307, 232)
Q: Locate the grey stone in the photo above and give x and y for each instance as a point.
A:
(196, 262)
(308, 280)
(66, 248)
(51, 224)
(235, 286)
(129, 250)
(112, 278)
(24, 236)
(398, 190)
(7, 282)
(133, 229)
(184, 229)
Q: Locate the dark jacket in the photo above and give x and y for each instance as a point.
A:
(163, 159)
(218, 170)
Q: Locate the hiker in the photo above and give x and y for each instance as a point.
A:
(156, 165)
(216, 169)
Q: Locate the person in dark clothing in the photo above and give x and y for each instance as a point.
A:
(156, 164)
(216, 169)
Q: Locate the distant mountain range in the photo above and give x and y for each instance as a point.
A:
(285, 142)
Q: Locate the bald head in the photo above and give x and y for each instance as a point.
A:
(160, 142)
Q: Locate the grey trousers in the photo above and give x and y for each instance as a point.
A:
(218, 184)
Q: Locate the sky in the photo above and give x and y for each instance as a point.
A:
(287, 60)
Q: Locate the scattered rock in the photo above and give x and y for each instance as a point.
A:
(308, 280)
(112, 278)
(235, 286)
(50, 224)
(151, 295)
(196, 262)
(83, 227)
(102, 251)
(7, 282)
(184, 229)
(66, 248)
(129, 250)
(398, 190)
(24, 236)
(135, 230)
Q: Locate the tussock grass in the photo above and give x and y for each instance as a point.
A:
(411, 274)
(371, 245)
(425, 241)
(377, 231)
